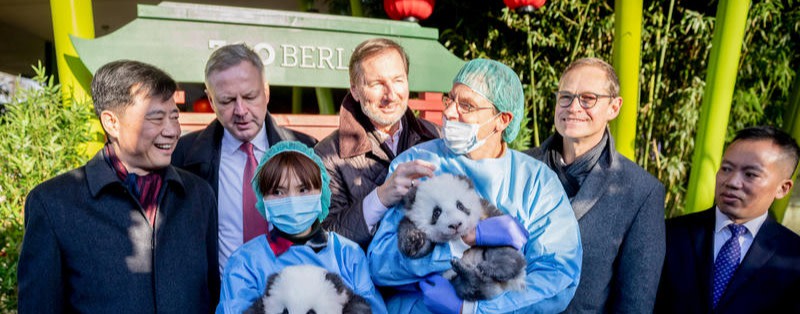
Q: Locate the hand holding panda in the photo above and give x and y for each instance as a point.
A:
(302, 289)
(446, 207)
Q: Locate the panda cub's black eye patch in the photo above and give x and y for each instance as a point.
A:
(462, 208)
(437, 211)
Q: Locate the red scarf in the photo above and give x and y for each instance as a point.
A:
(277, 243)
(146, 188)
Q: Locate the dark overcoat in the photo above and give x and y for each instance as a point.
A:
(620, 211)
(88, 247)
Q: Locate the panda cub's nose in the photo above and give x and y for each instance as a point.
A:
(455, 226)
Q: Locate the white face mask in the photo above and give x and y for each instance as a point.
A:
(462, 138)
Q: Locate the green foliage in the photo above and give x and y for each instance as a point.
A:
(676, 41)
(39, 138)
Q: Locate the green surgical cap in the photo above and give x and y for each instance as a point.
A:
(500, 85)
(284, 146)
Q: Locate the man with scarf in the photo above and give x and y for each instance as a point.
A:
(375, 125)
(126, 232)
(619, 205)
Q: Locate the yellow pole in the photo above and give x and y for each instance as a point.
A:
(74, 17)
(626, 59)
(723, 65)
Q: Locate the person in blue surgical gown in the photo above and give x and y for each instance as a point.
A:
(292, 186)
(482, 115)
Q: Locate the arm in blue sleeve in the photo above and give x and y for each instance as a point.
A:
(41, 287)
(362, 282)
(240, 285)
(553, 252)
(389, 267)
(641, 257)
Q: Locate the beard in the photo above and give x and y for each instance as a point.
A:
(381, 119)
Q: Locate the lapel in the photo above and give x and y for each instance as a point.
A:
(595, 186)
(702, 236)
(760, 252)
(356, 138)
(600, 178)
(204, 154)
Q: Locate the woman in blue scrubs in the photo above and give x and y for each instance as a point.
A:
(292, 186)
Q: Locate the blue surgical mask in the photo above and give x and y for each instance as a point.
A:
(462, 138)
(293, 214)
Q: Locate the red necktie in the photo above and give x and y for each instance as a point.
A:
(253, 223)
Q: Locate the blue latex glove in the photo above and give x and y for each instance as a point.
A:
(440, 296)
(500, 231)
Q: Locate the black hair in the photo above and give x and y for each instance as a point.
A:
(778, 137)
(116, 84)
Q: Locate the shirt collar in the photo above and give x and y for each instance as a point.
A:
(385, 136)
(392, 140)
(231, 144)
(722, 221)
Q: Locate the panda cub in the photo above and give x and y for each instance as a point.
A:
(444, 208)
(307, 289)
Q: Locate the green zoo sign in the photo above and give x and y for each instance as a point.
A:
(298, 49)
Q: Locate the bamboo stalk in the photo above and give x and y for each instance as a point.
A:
(627, 61)
(792, 126)
(720, 83)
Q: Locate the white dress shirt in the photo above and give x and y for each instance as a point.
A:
(231, 174)
(722, 233)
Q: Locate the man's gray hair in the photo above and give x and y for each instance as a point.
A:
(228, 56)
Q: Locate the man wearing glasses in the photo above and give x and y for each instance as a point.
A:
(482, 114)
(619, 205)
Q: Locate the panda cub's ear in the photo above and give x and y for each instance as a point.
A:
(466, 179)
(270, 281)
(409, 198)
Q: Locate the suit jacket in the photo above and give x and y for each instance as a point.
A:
(620, 211)
(88, 247)
(199, 152)
(767, 280)
(358, 163)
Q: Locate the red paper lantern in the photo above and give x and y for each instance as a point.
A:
(408, 10)
(524, 5)
(202, 105)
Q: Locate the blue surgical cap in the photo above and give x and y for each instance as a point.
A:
(284, 146)
(500, 85)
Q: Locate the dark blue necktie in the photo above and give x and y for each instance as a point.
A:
(727, 261)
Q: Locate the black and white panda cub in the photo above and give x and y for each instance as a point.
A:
(307, 289)
(444, 208)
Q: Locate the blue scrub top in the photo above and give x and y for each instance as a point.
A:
(247, 270)
(518, 185)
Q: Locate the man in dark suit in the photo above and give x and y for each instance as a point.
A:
(734, 257)
(126, 232)
(619, 205)
(226, 152)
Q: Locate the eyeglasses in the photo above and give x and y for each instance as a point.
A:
(586, 100)
(461, 107)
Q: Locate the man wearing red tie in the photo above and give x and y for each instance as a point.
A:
(227, 151)
(734, 257)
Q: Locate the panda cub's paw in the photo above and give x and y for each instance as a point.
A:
(411, 241)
